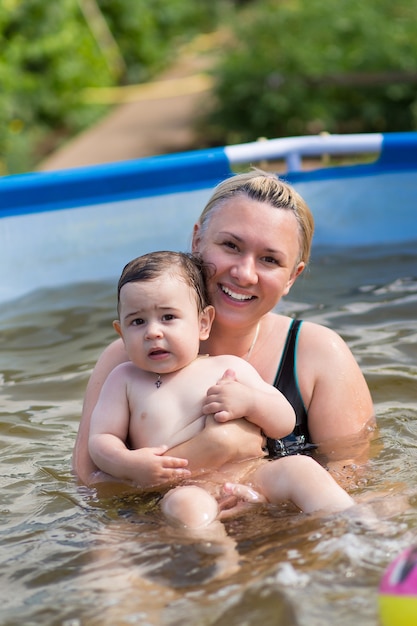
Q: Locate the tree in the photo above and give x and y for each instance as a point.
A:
(296, 67)
(52, 51)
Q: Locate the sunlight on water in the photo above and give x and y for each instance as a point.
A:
(71, 556)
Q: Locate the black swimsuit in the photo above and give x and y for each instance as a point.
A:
(299, 441)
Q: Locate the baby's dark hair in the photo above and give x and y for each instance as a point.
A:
(152, 265)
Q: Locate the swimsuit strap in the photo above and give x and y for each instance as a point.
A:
(286, 382)
(286, 377)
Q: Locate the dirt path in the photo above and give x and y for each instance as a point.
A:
(151, 119)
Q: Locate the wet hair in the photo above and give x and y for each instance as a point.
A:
(265, 187)
(182, 265)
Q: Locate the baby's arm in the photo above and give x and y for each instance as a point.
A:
(145, 467)
(228, 438)
(246, 394)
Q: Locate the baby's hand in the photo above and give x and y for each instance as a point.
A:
(226, 399)
(155, 469)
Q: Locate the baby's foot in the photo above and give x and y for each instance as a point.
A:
(243, 492)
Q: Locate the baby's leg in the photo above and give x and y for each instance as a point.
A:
(302, 480)
(190, 506)
(196, 511)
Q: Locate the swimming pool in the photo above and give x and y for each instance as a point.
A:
(74, 557)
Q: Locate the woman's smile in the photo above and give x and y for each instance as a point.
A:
(234, 295)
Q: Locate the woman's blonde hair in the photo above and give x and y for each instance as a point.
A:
(265, 187)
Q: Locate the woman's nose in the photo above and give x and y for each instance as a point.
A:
(245, 271)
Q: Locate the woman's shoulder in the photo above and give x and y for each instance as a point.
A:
(321, 348)
(113, 354)
(122, 375)
(281, 322)
(315, 333)
(313, 339)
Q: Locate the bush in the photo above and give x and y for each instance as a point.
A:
(147, 33)
(50, 54)
(303, 66)
(45, 52)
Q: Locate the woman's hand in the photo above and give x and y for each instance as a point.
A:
(217, 444)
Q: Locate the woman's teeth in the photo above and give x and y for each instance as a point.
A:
(235, 296)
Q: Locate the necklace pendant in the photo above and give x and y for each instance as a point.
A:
(158, 382)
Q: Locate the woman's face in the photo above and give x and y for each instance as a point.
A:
(254, 248)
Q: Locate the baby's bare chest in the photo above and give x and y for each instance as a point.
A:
(168, 414)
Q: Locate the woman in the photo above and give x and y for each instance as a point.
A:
(256, 232)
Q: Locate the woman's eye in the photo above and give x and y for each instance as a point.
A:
(230, 244)
(270, 259)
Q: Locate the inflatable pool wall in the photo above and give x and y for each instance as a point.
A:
(83, 224)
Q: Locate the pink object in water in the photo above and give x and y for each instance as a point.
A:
(400, 577)
(398, 591)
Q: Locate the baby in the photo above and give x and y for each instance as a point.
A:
(164, 395)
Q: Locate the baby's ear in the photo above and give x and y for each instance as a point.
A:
(117, 328)
(206, 320)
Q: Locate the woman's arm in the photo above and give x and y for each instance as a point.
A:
(339, 402)
(112, 356)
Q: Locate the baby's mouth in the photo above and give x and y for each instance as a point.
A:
(157, 352)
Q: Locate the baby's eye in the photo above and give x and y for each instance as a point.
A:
(138, 321)
(168, 317)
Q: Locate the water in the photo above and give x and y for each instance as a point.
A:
(73, 557)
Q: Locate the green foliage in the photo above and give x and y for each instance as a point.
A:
(303, 66)
(50, 53)
(148, 32)
(293, 66)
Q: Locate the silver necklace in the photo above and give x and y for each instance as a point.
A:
(158, 381)
(249, 352)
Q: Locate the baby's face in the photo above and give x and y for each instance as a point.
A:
(160, 323)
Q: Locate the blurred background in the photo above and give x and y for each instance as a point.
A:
(260, 68)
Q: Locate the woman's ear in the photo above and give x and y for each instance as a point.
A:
(196, 238)
(297, 271)
(206, 320)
